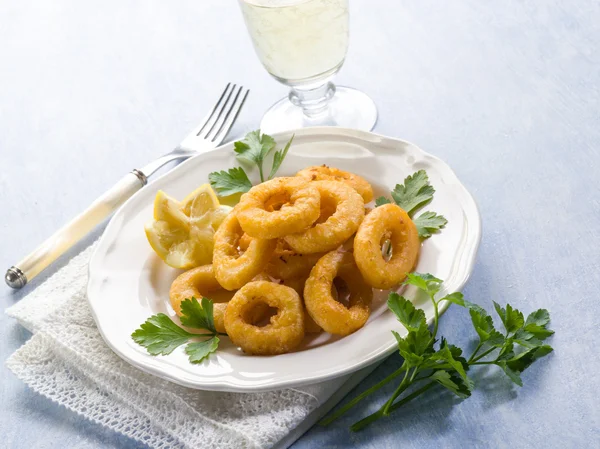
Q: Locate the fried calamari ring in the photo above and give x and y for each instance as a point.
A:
(296, 208)
(325, 173)
(328, 313)
(287, 263)
(233, 270)
(310, 327)
(335, 230)
(388, 221)
(285, 330)
(244, 242)
(198, 283)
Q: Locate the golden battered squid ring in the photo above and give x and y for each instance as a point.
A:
(325, 173)
(388, 221)
(299, 209)
(287, 263)
(244, 242)
(285, 330)
(329, 235)
(233, 270)
(328, 313)
(310, 327)
(198, 283)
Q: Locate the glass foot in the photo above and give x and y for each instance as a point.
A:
(349, 108)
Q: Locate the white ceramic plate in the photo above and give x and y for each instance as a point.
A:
(128, 282)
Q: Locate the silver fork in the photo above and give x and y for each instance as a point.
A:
(207, 135)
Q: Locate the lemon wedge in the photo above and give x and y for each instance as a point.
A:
(182, 233)
(212, 218)
(200, 201)
(169, 209)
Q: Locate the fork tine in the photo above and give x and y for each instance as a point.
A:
(231, 116)
(220, 122)
(206, 119)
(224, 110)
(213, 119)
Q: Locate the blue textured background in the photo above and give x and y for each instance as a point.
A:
(506, 92)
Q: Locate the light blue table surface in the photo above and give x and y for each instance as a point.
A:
(506, 92)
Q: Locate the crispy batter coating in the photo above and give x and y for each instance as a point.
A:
(325, 173)
(310, 327)
(233, 270)
(278, 207)
(200, 282)
(388, 221)
(287, 263)
(285, 330)
(328, 313)
(349, 210)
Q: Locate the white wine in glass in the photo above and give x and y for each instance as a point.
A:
(303, 44)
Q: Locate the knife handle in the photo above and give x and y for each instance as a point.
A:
(28, 268)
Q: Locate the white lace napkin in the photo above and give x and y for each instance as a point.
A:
(67, 361)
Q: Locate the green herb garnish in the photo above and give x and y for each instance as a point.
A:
(426, 366)
(161, 336)
(253, 150)
(412, 195)
(226, 183)
(428, 223)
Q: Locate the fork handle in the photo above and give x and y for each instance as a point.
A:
(28, 268)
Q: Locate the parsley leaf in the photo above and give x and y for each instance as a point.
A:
(445, 355)
(199, 316)
(456, 354)
(416, 345)
(426, 282)
(511, 318)
(540, 317)
(428, 223)
(484, 326)
(539, 332)
(381, 201)
(253, 149)
(455, 298)
(410, 317)
(414, 193)
(524, 360)
(161, 336)
(256, 147)
(482, 323)
(279, 156)
(406, 351)
(200, 350)
(226, 183)
(452, 382)
(512, 374)
(526, 339)
(496, 339)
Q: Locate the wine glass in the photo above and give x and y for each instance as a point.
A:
(303, 44)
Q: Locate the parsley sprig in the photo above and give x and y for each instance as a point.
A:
(253, 150)
(513, 350)
(412, 195)
(161, 336)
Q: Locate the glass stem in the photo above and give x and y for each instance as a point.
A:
(313, 101)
